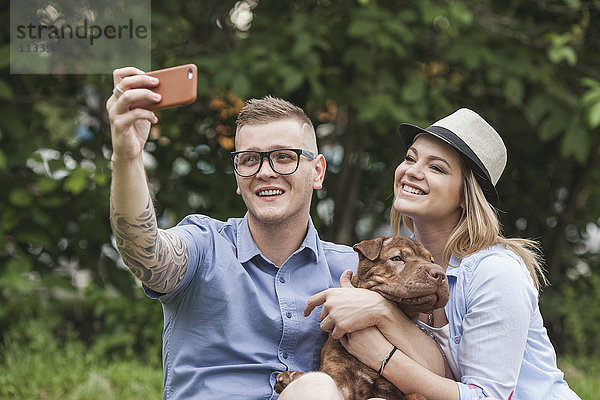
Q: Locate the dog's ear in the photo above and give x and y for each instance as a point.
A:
(369, 248)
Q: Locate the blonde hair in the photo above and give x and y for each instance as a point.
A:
(271, 109)
(479, 228)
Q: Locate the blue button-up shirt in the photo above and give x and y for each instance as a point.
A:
(497, 335)
(236, 321)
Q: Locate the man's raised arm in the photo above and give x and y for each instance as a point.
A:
(156, 257)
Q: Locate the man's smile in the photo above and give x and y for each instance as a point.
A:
(269, 192)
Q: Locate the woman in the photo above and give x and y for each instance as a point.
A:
(491, 330)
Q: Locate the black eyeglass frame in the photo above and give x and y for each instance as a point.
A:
(267, 154)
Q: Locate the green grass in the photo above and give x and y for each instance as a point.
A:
(583, 375)
(35, 366)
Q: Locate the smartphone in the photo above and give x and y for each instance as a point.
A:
(177, 86)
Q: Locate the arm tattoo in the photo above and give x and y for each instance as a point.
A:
(158, 258)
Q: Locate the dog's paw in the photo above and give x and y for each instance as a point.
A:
(285, 378)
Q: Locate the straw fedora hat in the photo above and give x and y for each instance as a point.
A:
(475, 140)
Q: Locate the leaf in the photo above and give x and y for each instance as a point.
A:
(558, 54)
(36, 238)
(369, 109)
(222, 78)
(552, 127)
(8, 220)
(50, 202)
(101, 179)
(540, 105)
(3, 162)
(594, 116)
(302, 46)
(40, 217)
(292, 81)
(576, 143)
(18, 266)
(240, 85)
(414, 90)
(360, 28)
(76, 182)
(20, 198)
(46, 185)
(6, 91)
(4, 55)
(316, 87)
(591, 97)
(360, 57)
(514, 90)
(13, 276)
(573, 4)
(591, 83)
(494, 75)
(461, 13)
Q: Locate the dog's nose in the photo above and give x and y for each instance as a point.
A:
(437, 274)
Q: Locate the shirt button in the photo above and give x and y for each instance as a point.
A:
(456, 340)
(281, 279)
(284, 355)
(288, 314)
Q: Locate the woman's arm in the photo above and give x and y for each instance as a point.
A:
(370, 347)
(348, 309)
(499, 301)
(411, 340)
(410, 377)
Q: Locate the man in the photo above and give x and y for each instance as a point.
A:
(232, 292)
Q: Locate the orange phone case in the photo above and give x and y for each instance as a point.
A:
(178, 86)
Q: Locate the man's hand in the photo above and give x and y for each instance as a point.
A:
(346, 309)
(129, 123)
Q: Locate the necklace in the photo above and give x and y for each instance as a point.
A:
(430, 323)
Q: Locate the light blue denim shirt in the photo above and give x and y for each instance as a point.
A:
(236, 319)
(497, 335)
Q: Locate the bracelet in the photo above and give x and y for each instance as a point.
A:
(387, 359)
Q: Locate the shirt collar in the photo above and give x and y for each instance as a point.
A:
(453, 265)
(247, 248)
(310, 240)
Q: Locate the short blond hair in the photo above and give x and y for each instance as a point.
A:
(479, 228)
(271, 109)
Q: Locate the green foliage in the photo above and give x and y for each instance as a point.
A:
(583, 375)
(577, 307)
(37, 365)
(359, 68)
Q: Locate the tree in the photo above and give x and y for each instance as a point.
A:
(359, 68)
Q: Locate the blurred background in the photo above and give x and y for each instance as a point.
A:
(74, 323)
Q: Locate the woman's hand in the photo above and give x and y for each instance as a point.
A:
(347, 309)
(368, 345)
(130, 124)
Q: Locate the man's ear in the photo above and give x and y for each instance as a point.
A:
(369, 248)
(320, 166)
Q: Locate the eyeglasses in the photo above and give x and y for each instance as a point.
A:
(283, 161)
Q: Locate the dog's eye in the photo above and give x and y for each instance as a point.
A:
(396, 258)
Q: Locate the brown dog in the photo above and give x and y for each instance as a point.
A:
(403, 271)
